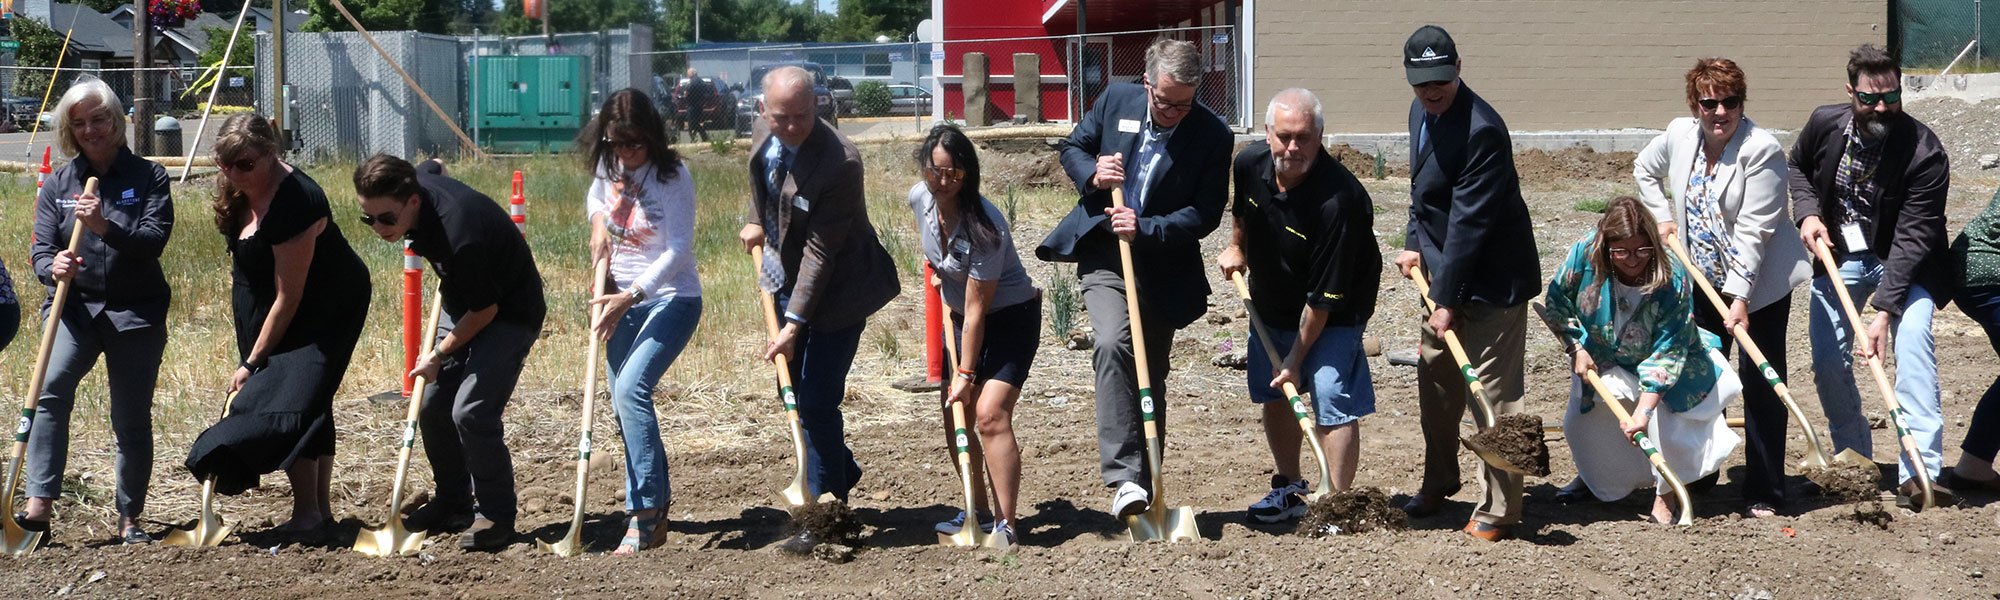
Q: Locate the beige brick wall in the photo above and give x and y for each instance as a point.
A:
(1563, 64)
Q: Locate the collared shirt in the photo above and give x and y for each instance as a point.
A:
(1310, 245)
(1152, 145)
(121, 276)
(480, 257)
(1855, 182)
(965, 255)
(772, 278)
(1707, 236)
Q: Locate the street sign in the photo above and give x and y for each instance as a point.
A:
(236, 82)
(9, 45)
(1220, 38)
(896, 57)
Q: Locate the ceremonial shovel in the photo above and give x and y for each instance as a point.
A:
(1484, 413)
(209, 529)
(796, 493)
(15, 541)
(1158, 522)
(1291, 392)
(571, 543)
(392, 539)
(1909, 442)
(970, 535)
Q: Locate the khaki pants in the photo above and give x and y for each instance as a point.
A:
(1495, 341)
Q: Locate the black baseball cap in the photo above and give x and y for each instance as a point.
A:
(1430, 56)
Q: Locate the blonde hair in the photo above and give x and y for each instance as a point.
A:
(1623, 219)
(88, 88)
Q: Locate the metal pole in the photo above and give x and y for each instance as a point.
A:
(142, 92)
(278, 74)
(697, 22)
(476, 85)
(1978, 38)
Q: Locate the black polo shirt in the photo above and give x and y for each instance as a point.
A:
(1311, 245)
(480, 258)
(121, 277)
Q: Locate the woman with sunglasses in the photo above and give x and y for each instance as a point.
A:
(641, 211)
(118, 297)
(1621, 308)
(1715, 182)
(995, 308)
(299, 299)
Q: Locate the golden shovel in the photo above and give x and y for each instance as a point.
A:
(571, 543)
(795, 494)
(1292, 395)
(1816, 455)
(1157, 522)
(970, 535)
(392, 539)
(1483, 409)
(1639, 438)
(209, 530)
(14, 540)
(1903, 436)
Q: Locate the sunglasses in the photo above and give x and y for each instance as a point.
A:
(1892, 96)
(387, 219)
(247, 164)
(1731, 103)
(629, 146)
(1644, 252)
(946, 174)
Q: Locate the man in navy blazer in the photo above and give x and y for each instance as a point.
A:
(1171, 156)
(1469, 232)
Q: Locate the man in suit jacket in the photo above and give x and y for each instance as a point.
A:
(1469, 231)
(1176, 186)
(822, 262)
(1871, 181)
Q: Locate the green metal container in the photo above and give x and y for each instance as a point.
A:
(530, 103)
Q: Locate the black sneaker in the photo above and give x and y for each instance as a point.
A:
(1286, 501)
(487, 534)
(801, 544)
(438, 516)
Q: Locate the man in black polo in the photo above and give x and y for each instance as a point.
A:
(493, 312)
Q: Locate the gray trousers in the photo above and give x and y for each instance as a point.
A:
(131, 367)
(1121, 434)
(460, 418)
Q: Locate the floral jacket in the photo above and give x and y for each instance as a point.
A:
(1659, 341)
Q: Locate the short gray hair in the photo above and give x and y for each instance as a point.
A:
(87, 88)
(1296, 99)
(1173, 58)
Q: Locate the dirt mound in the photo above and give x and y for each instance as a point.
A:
(1846, 482)
(1358, 510)
(1871, 513)
(1026, 163)
(1581, 162)
(834, 524)
(1362, 164)
(1517, 438)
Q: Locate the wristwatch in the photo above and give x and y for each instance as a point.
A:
(637, 294)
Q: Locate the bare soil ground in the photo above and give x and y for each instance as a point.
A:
(727, 516)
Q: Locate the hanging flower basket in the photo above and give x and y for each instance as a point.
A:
(168, 14)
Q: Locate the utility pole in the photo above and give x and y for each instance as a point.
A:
(278, 75)
(142, 90)
(697, 21)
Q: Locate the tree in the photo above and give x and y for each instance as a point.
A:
(428, 16)
(39, 47)
(862, 20)
(244, 55)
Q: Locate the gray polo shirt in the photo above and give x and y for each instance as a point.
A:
(993, 261)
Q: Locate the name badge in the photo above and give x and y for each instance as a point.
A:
(1851, 233)
(1128, 126)
(801, 203)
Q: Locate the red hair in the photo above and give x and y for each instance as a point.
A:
(1715, 74)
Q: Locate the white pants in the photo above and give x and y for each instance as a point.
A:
(1694, 443)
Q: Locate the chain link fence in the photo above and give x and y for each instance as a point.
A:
(1934, 32)
(177, 92)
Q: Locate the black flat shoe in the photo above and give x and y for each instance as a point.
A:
(28, 524)
(136, 537)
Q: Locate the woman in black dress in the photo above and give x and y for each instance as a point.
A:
(300, 295)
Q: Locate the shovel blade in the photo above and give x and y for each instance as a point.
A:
(571, 544)
(1161, 524)
(1144, 526)
(795, 494)
(1180, 524)
(390, 540)
(206, 533)
(1493, 458)
(1850, 457)
(15, 541)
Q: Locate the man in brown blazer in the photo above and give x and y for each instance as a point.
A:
(822, 263)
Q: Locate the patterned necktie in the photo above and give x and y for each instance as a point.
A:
(772, 276)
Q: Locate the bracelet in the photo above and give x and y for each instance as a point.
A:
(967, 373)
(245, 364)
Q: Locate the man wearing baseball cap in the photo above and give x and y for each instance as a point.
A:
(1469, 233)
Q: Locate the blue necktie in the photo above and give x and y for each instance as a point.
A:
(772, 276)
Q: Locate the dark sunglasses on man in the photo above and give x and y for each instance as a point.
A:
(1894, 96)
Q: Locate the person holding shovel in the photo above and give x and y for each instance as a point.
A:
(1170, 156)
(1624, 309)
(493, 312)
(641, 209)
(1301, 231)
(1469, 231)
(822, 263)
(118, 299)
(994, 306)
(300, 299)
(1976, 269)
(1716, 181)
(1871, 181)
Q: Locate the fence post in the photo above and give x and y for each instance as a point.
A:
(975, 71)
(1027, 87)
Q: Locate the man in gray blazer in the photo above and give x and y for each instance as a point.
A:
(822, 263)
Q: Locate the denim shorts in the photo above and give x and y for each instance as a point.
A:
(1335, 374)
(1012, 336)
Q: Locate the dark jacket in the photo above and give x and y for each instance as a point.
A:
(1189, 192)
(121, 277)
(479, 256)
(1909, 230)
(1467, 217)
(836, 269)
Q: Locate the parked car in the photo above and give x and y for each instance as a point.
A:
(20, 112)
(700, 104)
(750, 104)
(843, 94)
(906, 99)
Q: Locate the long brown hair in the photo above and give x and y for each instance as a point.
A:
(628, 116)
(1624, 218)
(242, 135)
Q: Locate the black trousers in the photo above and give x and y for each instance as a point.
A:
(1764, 414)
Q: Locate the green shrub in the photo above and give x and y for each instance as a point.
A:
(871, 98)
(1590, 205)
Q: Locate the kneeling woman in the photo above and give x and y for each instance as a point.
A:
(1624, 310)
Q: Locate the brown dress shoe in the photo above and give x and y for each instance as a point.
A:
(1489, 531)
(1424, 504)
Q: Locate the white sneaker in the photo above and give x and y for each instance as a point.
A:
(957, 524)
(1006, 528)
(1130, 499)
(1285, 502)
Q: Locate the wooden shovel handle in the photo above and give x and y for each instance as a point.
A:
(1903, 435)
(1480, 403)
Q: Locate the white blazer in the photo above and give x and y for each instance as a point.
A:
(1754, 203)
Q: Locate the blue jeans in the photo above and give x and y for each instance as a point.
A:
(649, 337)
(819, 381)
(1916, 364)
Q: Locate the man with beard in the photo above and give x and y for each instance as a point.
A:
(1871, 181)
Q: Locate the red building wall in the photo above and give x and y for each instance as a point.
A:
(990, 19)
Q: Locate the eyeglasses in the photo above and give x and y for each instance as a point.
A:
(1867, 99)
(387, 219)
(1731, 103)
(1643, 252)
(1165, 106)
(241, 165)
(945, 174)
